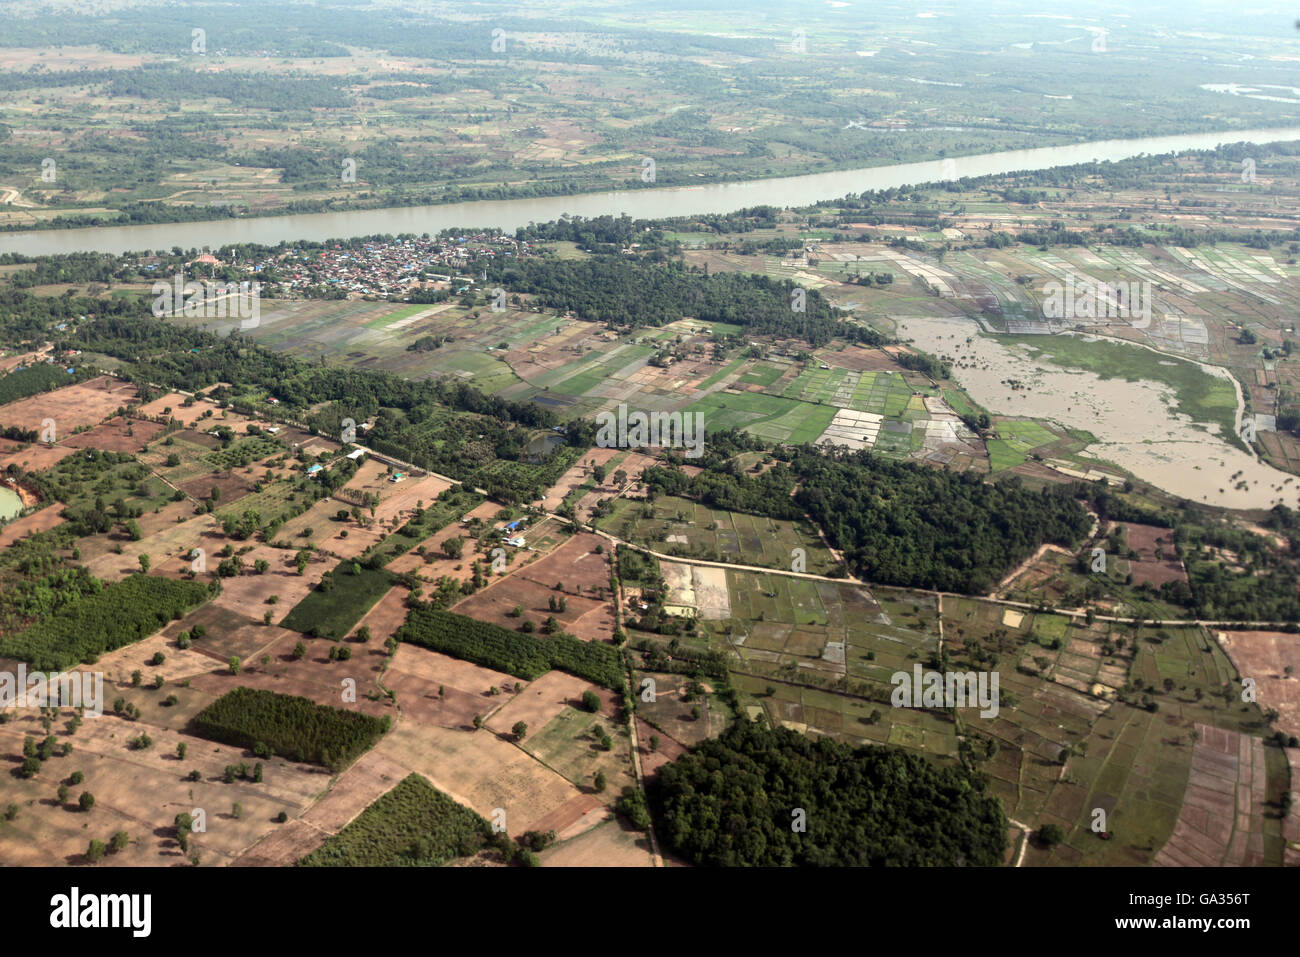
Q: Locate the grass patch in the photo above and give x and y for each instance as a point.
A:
(348, 595)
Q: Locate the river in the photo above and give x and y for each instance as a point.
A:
(638, 203)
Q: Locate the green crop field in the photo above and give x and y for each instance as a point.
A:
(333, 613)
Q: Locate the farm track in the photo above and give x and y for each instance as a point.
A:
(655, 856)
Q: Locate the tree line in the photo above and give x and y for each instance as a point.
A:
(523, 656)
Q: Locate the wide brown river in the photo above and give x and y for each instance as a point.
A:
(654, 203)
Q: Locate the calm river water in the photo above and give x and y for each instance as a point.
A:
(638, 203)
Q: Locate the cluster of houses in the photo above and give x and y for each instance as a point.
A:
(391, 268)
(378, 268)
(510, 533)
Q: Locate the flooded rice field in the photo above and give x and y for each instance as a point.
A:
(1135, 423)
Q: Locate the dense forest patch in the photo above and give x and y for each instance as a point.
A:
(611, 289)
(731, 802)
(898, 523)
(340, 600)
(293, 727)
(114, 616)
(38, 378)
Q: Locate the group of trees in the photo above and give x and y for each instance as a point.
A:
(630, 293)
(414, 824)
(1261, 586)
(897, 522)
(296, 728)
(523, 656)
(41, 377)
(762, 796)
(116, 615)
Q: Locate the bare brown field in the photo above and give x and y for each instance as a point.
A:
(313, 676)
(166, 548)
(288, 843)
(397, 502)
(86, 403)
(37, 457)
(1264, 656)
(669, 749)
(178, 663)
(163, 517)
(1036, 470)
(541, 701)
(369, 778)
(42, 521)
(141, 792)
(573, 817)
(417, 675)
(173, 404)
(247, 594)
(232, 486)
(577, 566)
(859, 359)
(68, 58)
(225, 630)
(610, 844)
(112, 436)
(388, 614)
(1145, 540)
(196, 436)
(326, 530)
(481, 771)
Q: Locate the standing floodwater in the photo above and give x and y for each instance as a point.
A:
(1136, 424)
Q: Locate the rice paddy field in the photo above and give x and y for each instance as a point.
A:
(817, 656)
(578, 369)
(1092, 717)
(1067, 746)
(1017, 440)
